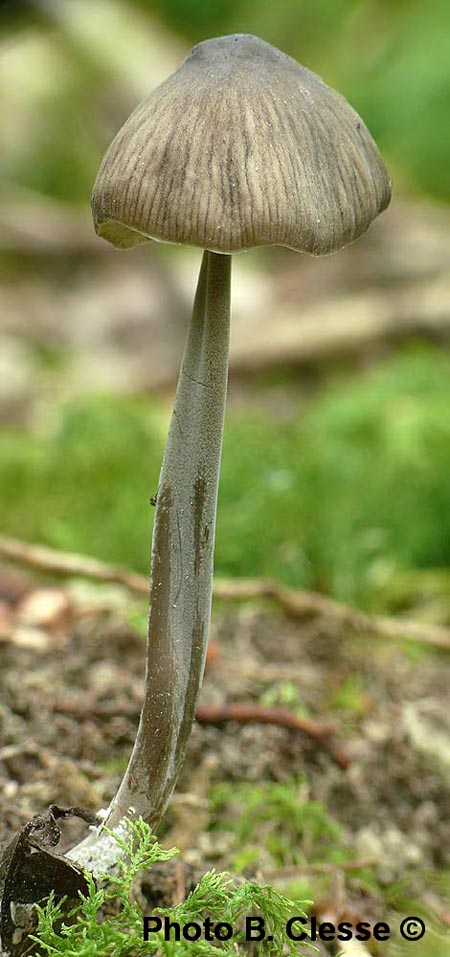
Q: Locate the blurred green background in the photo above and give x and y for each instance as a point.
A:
(336, 468)
(389, 57)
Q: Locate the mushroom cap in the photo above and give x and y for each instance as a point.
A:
(241, 147)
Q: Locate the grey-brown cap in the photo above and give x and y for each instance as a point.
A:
(241, 147)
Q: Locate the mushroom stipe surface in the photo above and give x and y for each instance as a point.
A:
(240, 147)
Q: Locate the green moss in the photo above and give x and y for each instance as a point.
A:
(277, 821)
(350, 695)
(285, 694)
(350, 493)
(345, 496)
(84, 485)
(92, 934)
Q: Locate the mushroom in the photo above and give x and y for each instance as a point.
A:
(240, 147)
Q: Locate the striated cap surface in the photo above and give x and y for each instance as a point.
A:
(241, 147)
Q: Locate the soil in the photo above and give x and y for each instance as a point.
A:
(80, 647)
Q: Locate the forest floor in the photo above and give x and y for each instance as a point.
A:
(367, 840)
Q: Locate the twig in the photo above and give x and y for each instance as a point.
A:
(297, 604)
(241, 713)
(250, 713)
(304, 604)
(67, 564)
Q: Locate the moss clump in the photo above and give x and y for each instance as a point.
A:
(110, 921)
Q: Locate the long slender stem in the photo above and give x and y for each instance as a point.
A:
(182, 554)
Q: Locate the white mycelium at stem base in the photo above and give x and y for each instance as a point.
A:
(182, 558)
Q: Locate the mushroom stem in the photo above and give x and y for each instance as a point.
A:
(182, 555)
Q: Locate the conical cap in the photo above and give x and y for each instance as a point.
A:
(241, 147)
